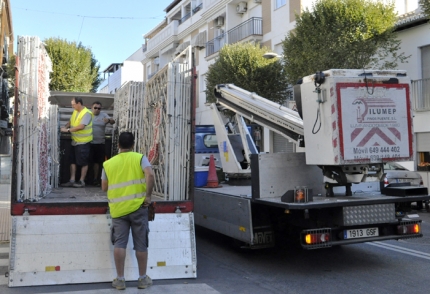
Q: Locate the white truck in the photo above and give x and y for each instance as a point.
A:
(62, 235)
(348, 123)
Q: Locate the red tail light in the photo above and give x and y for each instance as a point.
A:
(316, 238)
(385, 182)
(409, 229)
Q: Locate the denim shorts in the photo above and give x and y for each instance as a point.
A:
(138, 223)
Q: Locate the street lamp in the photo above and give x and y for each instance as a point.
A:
(270, 55)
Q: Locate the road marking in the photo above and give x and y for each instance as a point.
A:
(4, 249)
(401, 249)
(3, 280)
(154, 289)
(4, 262)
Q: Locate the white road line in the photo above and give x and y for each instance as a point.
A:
(4, 249)
(155, 289)
(401, 250)
(4, 262)
(3, 280)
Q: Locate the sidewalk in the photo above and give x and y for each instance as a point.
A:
(5, 179)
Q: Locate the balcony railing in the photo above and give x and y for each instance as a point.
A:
(215, 45)
(197, 8)
(251, 27)
(186, 16)
(421, 94)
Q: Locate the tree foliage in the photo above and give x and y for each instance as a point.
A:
(342, 34)
(74, 68)
(425, 4)
(243, 64)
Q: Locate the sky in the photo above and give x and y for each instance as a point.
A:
(112, 29)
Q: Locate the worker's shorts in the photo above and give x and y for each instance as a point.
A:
(80, 154)
(97, 154)
(138, 223)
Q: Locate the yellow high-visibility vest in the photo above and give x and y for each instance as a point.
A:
(126, 183)
(86, 134)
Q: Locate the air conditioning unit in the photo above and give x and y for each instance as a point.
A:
(257, 1)
(219, 21)
(241, 7)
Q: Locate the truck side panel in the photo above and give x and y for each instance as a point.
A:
(225, 214)
(49, 250)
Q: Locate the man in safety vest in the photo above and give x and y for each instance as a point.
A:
(128, 179)
(80, 127)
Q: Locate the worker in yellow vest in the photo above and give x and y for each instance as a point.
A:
(128, 179)
(80, 126)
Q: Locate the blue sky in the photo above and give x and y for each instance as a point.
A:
(95, 23)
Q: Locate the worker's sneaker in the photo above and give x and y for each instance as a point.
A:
(96, 183)
(80, 184)
(144, 283)
(118, 284)
(68, 184)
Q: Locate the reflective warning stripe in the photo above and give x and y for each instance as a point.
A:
(125, 184)
(125, 198)
(82, 135)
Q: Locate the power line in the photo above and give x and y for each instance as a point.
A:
(90, 16)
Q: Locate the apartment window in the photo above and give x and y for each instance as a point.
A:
(280, 3)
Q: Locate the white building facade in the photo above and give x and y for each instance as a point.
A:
(207, 25)
(117, 74)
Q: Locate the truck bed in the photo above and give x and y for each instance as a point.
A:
(70, 194)
(318, 201)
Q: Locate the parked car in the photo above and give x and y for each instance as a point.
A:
(395, 173)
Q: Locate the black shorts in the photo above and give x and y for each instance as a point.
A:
(80, 154)
(97, 154)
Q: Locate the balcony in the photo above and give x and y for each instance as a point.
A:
(215, 45)
(197, 8)
(164, 37)
(249, 28)
(420, 90)
(186, 16)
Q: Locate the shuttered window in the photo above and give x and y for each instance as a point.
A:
(281, 144)
(423, 142)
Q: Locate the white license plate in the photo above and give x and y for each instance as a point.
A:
(360, 233)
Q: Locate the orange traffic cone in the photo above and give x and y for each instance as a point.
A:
(212, 176)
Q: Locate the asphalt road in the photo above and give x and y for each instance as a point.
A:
(379, 267)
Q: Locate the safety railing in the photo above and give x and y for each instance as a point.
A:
(251, 27)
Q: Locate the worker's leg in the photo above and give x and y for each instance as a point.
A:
(96, 171)
(72, 172)
(142, 261)
(119, 237)
(139, 231)
(84, 171)
(82, 158)
(119, 256)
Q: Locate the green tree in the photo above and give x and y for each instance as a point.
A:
(74, 68)
(243, 64)
(425, 4)
(353, 34)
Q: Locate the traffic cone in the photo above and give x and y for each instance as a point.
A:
(212, 176)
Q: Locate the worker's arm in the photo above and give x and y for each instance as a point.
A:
(109, 120)
(85, 121)
(66, 129)
(150, 179)
(105, 185)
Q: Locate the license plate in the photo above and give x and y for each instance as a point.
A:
(360, 233)
(403, 180)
